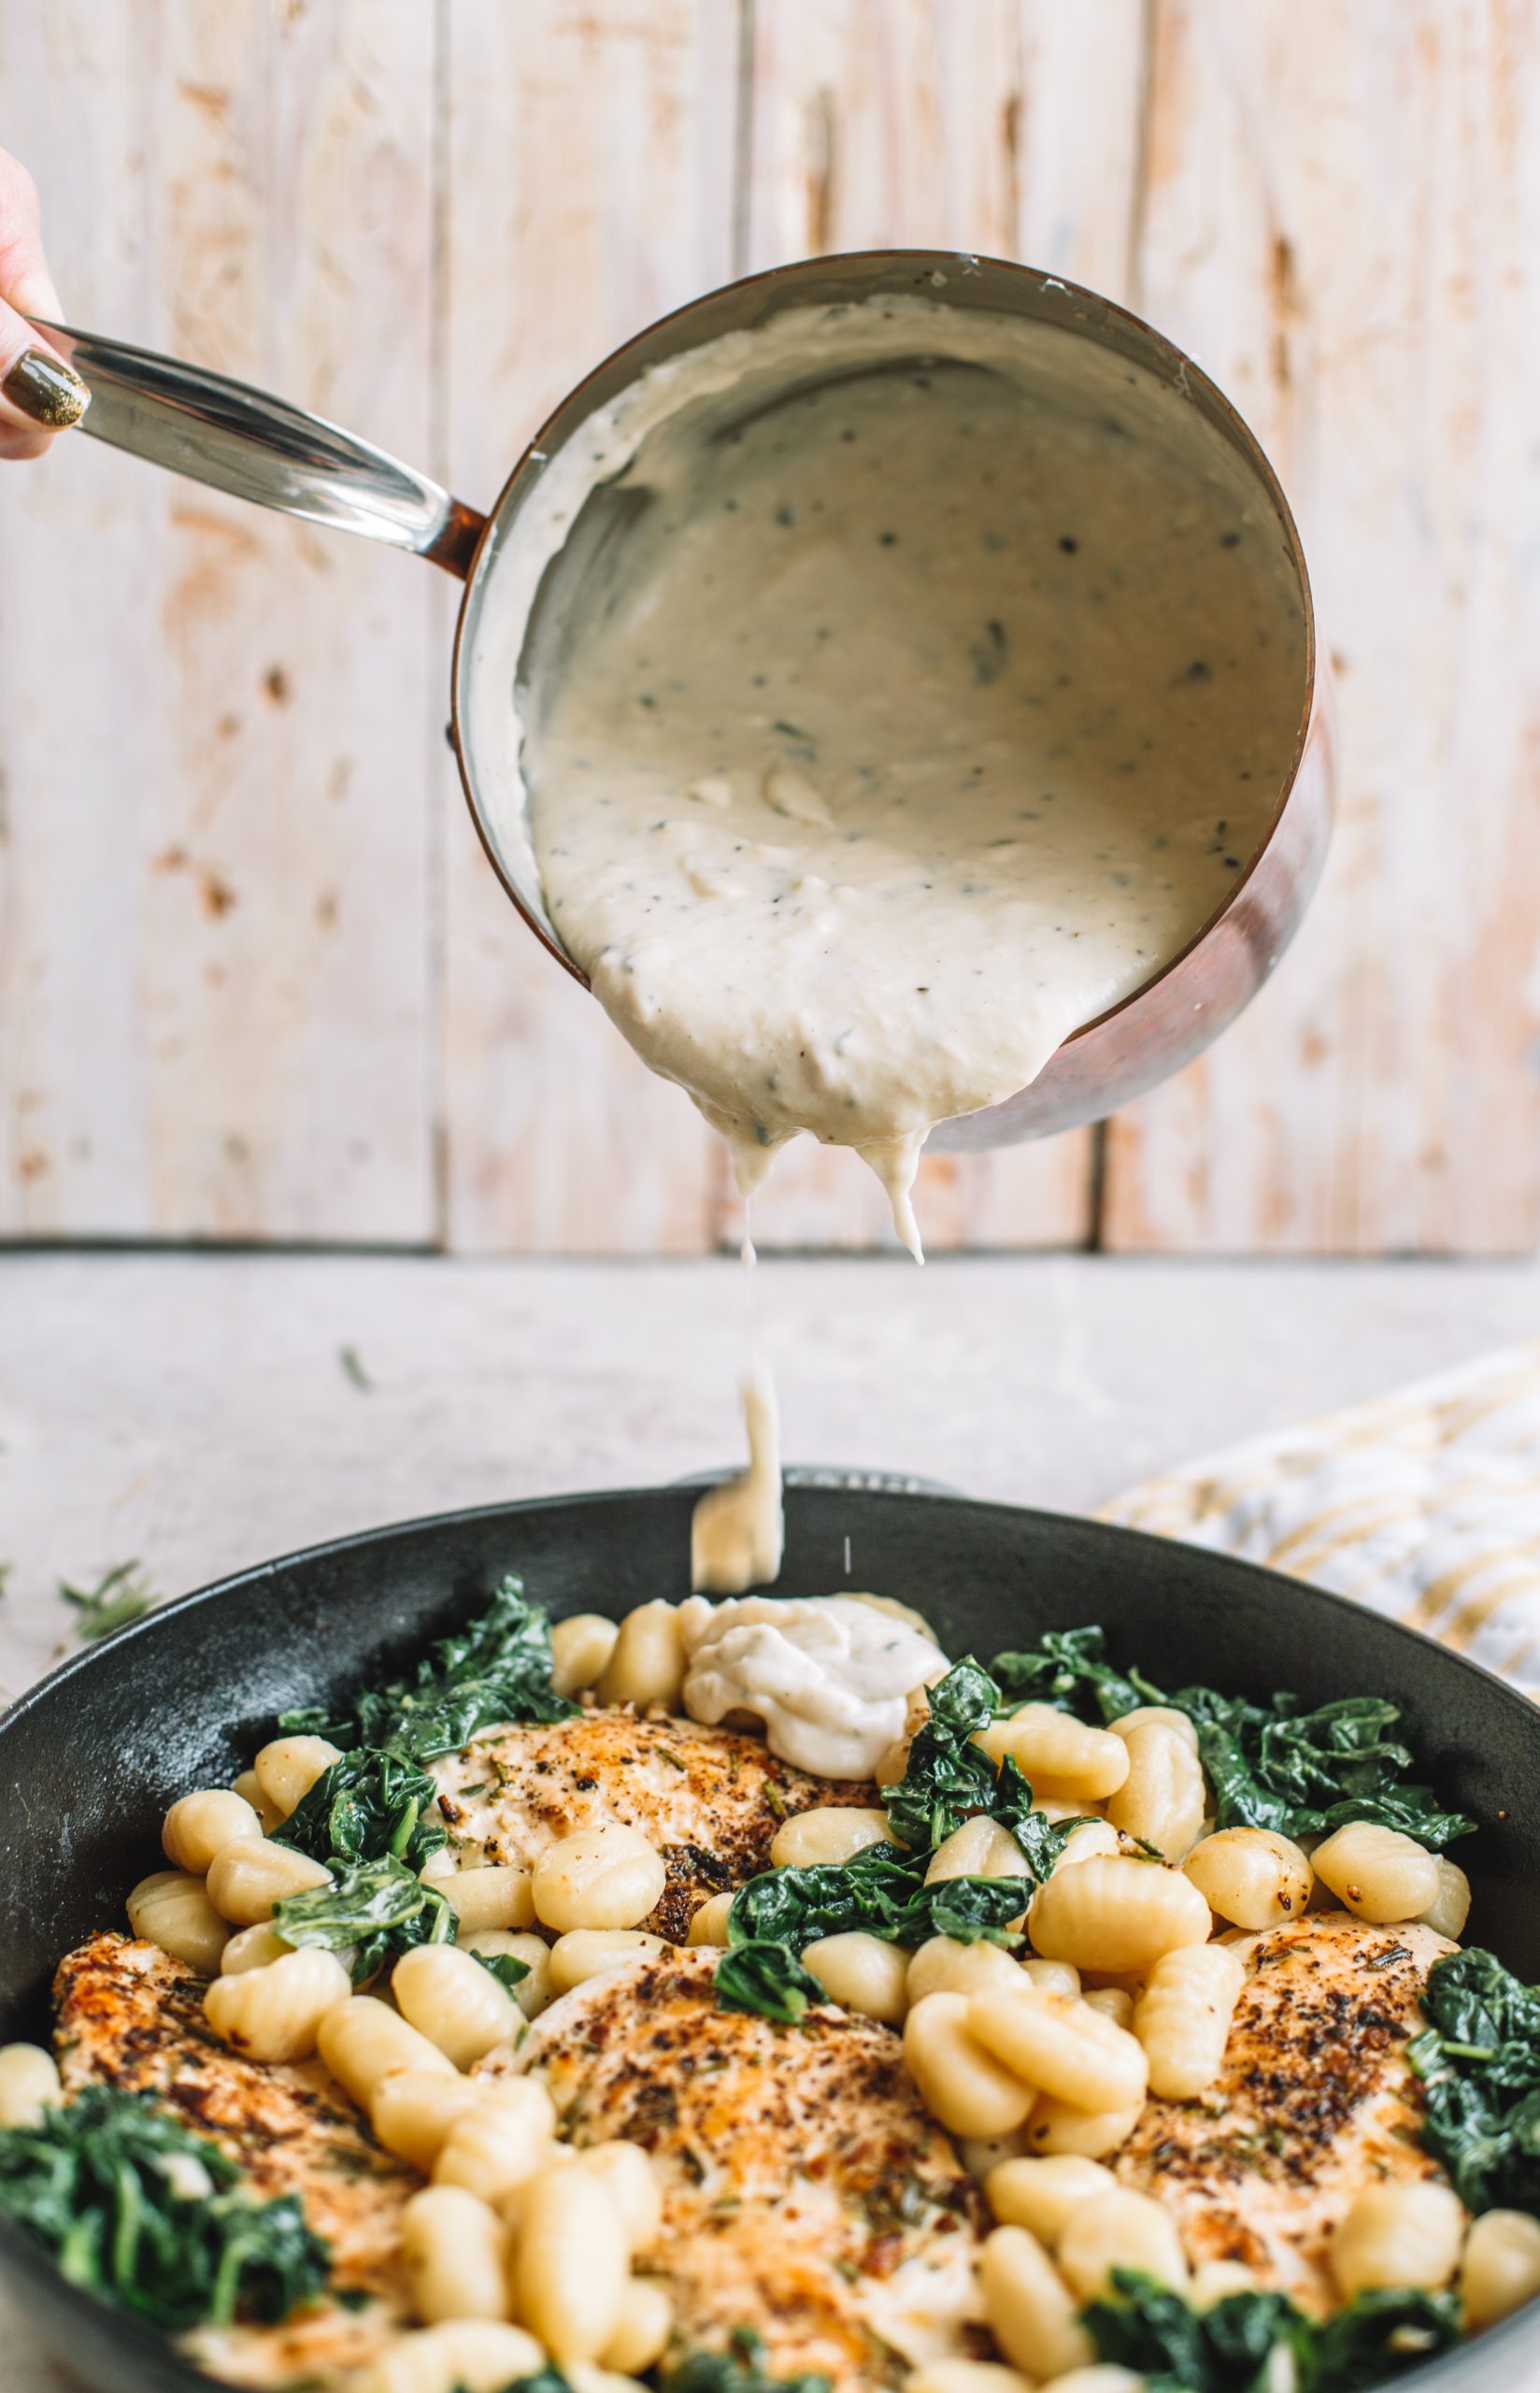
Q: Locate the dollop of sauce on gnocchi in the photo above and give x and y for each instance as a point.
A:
(828, 1676)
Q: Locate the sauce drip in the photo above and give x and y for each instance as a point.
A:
(737, 1530)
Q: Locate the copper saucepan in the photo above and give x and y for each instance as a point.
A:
(259, 448)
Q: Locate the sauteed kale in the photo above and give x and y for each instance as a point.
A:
(1271, 1765)
(738, 2370)
(371, 1911)
(882, 1889)
(146, 2215)
(366, 1816)
(1480, 2061)
(1231, 2347)
(497, 1669)
(947, 1779)
(368, 1806)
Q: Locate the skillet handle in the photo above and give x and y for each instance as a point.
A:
(257, 447)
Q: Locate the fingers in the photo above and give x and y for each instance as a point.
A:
(40, 395)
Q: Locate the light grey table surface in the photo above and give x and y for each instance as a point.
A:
(197, 1413)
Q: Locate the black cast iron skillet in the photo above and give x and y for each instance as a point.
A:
(90, 1758)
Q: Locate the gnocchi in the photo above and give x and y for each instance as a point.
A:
(1032, 2313)
(492, 1896)
(452, 2245)
(580, 1648)
(829, 1833)
(498, 2142)
(1182, 2018)
(1377, 1874)
(1451, 1907)
(198, 1826)
(627, 2174)
(642, 2330)
(861, 1973)
(607, 1876)
(29, 2084)
(364, 2041)
(1251, 1877)
(709, 1924)
(1121, 2229)
(1115, 1913)
(960, 2082)
(274, 2013)
(1500, 2269)
(980, 1848)
(1162, 1799)
(1042, 2194)
(589, 1952)
(412, 2110)
(571, 2263)
(449, 1998)
(1056, 2127)
(252, 1948)
(1398, 2234)
(1066, 1760)
(464, 2355)
(250, 1877)
(647, 1662)
(943, 1966)
(172, 1908)
(1061, 2047)
(534, 1989)
(289, 1766)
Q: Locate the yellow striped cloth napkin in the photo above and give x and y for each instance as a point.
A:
(1424, 1505)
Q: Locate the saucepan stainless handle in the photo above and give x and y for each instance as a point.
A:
(258, 447)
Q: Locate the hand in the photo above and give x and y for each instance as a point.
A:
(40, 395)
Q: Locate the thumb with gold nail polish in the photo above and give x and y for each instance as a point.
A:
(40, 393)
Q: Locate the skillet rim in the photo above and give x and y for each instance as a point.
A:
(1465, 2363)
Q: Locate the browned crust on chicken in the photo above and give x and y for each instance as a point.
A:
(710, 1800)
(807, 2191)
(128, 2016)
(1315, 2100)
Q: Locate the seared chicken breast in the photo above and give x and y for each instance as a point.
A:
(129, 2015)
(710, 1800)
(1315, 2102)
(807, 2191)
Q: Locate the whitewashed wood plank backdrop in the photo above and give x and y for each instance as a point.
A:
(255, 978)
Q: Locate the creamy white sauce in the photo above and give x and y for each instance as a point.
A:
(737, 1530)
(878, 737)
(829, 1675)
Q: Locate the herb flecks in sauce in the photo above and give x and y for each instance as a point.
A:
(1054, 589)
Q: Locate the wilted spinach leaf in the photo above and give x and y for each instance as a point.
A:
(1229, 2348)
(506, 1967)
(764, 1976)
(374, 1910)
(1271, 1765)
(1378, 2336)
(880, 1890)
(737, 2370)
(370, 1806)
(154, 2219)
(498, 1669)
(948, 1778)
(1480, 2061)
(1068, 1668)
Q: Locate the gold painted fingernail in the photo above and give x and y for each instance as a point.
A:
(47, 390)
